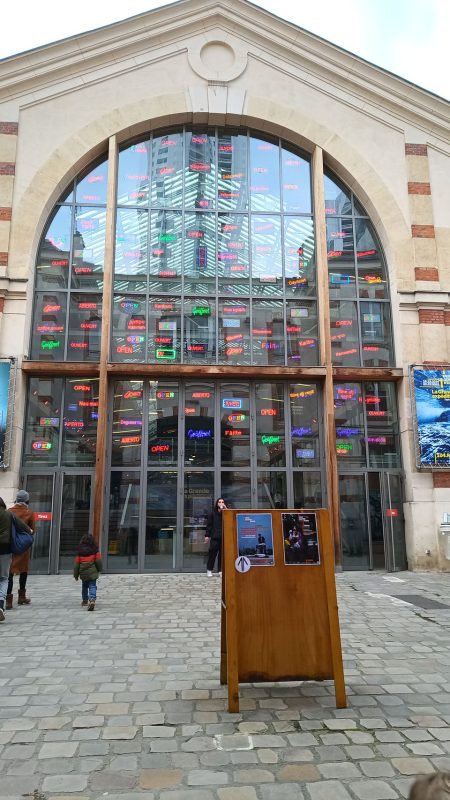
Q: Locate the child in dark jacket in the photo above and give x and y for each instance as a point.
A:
(88, 565)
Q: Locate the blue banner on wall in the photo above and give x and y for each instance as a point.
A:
(4, 391)
(432, 399)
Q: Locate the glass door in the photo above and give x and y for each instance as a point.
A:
(41, 489)
(76, 513)
(354, 522)
(392, 512)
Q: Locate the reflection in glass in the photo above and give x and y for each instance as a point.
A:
(161, 520)
(376, 335)
(166, 252)
(235, 425)
(232, 189)
(88, 248)
(131, 249)
(199, 425)
(162, 424)
(264, 175)
(199, 331)
(200, 254)
(233, 265)
(200, 170)
(267, 267)
(299, 257)
(236, 489)
(198, 504)
(49, 326)
(234, 332)
(349, 420)
(167, 170)
(93, 186)
(40, 489)
(43, 421)
(76, 504)
(337, 197)
(354, 523)
(304, 408)
(296, 182)
(271, 489)
(133, 176)
(85, 327)
(382, 424)
(123, 531)
(127, 423)
(372, 279)
(52, 264)
(341, 258)
(268, 332)
(80, 421)
(302, 333)
(307, 490)
(164, 335)
(395, 521)
(129, 328)
(344, 333)
(270, 431)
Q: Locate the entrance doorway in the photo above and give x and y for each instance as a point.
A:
(372, 525)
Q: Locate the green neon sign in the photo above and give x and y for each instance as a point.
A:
(168, 353)
(266, 439)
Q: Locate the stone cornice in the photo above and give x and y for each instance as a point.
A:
(423, 300)
(44, 72)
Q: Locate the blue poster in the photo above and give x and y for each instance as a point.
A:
(432, 398)
(255, 538)
(4, 388)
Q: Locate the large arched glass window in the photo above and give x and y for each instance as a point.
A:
(214, 260)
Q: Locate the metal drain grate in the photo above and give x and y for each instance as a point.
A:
(419, 600)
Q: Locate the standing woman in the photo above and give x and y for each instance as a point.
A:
(214, 537)
(20, 563)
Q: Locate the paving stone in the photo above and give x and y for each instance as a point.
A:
(206, 778)
(373, 790)
(339, 769)
(87, 721)
(324, 790)
(186, 794)
(106, 780)
(298, 773)
(160, 778)
(64, 783)
(237, 793)
(58, 750)
(412, 766)
(280, 792)
(158, 732)
(120, 732)
(252, 776)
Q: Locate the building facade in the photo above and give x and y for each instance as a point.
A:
(224, 243)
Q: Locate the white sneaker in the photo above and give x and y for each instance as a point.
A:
(220, 574)
(209, 573)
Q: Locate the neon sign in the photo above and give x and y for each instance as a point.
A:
(47, 328)
(376, 439)
(376, 413)
(234, 337)
(50, 345)
(344, 323)
(234, 432)
(372, 399)
(165, 395)
(269, 412)
(233, 351)
(270, 439)
(307, 343)
(129, 306)
(79, 345)
(196, 348)
(51, 308)
(163, 339)
(348, 432)
(124, 348)
(41, 444)
(201, 395)
(46, 421)
(270, 345)
(88, 326)
(231, 403)
(88, 403)
(195, 234)
(164, 306)
(160, 448)
(236, 418)
(132, 393)
(130, 440)
(168, 353)
(71, 423)
(231, 323)
(299, 312)
(201, 311)
(301, 431)
(130, 423)
(341, 353)
(136, 324)
(235, 309)
(305, 453)
(135, 339)
(167, 325)
(200, 434)
(262, 331)
(82, 387)
(83, 306)
(168, 237)
(343, 448)
(189, 410)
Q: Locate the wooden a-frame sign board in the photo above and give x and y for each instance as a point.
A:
(280, 622)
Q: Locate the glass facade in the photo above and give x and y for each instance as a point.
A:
(214, 266)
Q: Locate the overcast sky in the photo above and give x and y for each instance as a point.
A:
(407, 37)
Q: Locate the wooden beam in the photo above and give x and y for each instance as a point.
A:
(323, 297)
(108, 269)
(367, 374)
(208, 372)
(80, 369)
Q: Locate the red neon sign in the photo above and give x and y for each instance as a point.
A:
(130, 440)
(269, 412)
(87, 306)
(201, 395)
(82, 387)
(160, 448)
(51, 308)
(133, 393)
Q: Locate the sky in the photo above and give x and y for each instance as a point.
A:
(407, 37)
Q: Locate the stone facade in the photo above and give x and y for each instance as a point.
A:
(201, 61)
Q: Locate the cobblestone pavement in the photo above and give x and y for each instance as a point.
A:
(125, 703)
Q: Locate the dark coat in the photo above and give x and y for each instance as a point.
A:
(5, 530)
(21, 562)
(88, 564)
(214, 525)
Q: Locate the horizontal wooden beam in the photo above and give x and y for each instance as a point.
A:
(61, 368)
(367, 374)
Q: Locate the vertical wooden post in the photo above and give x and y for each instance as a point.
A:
(229, 669)
(323, 297)
(108, 269)
(333, 614)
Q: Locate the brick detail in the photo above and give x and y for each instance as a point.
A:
(7, 168)
(5, 214)
(11, 128)
(447, 317)
(3, 259)
(422, 231)
(2, 304)
(441, 480)
(416, 150)
(419, 187)
(426, 273)
(431, 316)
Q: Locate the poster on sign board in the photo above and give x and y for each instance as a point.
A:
(430, 390)
(4, 391)
(300, 539)
(255, 538)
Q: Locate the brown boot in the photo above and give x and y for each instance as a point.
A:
(23, 600)
(9, 602)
